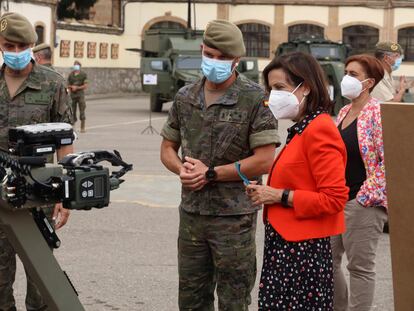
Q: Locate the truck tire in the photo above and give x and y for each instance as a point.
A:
(156, 102)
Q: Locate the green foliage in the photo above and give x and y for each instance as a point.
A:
(78, 9)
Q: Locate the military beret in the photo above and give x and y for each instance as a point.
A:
(41, 46)
(225, 37)
(17, 28)
(389, 47)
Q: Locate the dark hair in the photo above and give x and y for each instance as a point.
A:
(45, 53)
(371, 65)
(380, 54)
(301, 67)
(76, 62)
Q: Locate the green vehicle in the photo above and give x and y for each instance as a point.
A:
(171, 58)
(330, 55)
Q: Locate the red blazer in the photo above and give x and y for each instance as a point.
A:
(313, 165)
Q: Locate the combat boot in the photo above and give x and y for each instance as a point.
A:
(83, 126)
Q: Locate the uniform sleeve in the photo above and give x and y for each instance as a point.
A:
(382, 92)
(326, 154)
(171, 128)
(70, 79)
(61, 106)
(264, 127)
(85, 80)
(373, 190)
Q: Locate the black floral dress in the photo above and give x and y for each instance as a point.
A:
(296, 275)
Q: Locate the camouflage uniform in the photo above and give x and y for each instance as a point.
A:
(78, 97)
(41, 98)
(216, 244)
(50, 66)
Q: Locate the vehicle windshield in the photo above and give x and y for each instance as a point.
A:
(325, 52)
(188, 62)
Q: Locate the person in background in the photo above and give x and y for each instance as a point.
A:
(365, 213)
(77, 84)
(43, 55)
(218, 121)
(390, 55)
(305, 194)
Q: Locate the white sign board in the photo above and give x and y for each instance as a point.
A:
(150, 79)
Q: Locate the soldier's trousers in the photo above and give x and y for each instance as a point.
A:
(34, 301)
(78, 101)
(216, 251)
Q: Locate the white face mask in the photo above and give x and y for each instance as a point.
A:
(283, 104)
(351, 87)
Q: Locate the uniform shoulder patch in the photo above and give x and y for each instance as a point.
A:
(265, 103)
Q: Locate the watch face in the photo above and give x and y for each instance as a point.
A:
(211, 174)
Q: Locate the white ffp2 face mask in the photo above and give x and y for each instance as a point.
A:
(351, 87)
(284, 104)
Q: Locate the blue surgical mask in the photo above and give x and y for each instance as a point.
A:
(397, 64)
(76, 67)
(19, 60)
(216, 71)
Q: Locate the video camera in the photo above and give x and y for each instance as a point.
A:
(78, 181)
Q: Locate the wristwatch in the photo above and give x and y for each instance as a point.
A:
(211, 174)
(285, 198)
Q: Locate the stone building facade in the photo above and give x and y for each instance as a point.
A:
(102, 42)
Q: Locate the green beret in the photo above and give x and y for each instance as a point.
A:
(225, 37)
(17, 28)
(40, 47)
(389, 47)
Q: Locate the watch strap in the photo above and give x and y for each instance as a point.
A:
(285, 198)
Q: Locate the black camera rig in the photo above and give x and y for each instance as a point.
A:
(78, 181)
(29, 184)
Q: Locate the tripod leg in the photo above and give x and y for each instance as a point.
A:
(39, 261)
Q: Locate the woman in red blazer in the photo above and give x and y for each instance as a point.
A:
(306, 191)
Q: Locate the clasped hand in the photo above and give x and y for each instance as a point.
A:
(193, 174)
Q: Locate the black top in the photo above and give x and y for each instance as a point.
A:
(355, 170)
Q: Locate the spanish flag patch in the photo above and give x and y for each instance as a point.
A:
(266, 103)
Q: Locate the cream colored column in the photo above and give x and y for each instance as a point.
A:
(388, 32)
(333, 31)
(223, 11)
(279, 32)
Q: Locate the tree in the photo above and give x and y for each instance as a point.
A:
(78, 9)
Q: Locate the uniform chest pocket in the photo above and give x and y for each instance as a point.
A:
(231, 131)
(36, 107)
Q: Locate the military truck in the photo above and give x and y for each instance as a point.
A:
(331, 56)
(171, 58)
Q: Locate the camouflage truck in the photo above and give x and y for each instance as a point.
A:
(171, 58)
(330, 55)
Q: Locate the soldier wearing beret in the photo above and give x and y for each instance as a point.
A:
(391, 55)
(43, 55)
(217, 122)
(29, 94)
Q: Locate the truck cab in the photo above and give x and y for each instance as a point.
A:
(330, 55)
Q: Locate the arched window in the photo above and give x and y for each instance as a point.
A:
(40, 30)
(406, 40)
(361, 38)
(256, 39)
(167, 25)
(305, 31)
